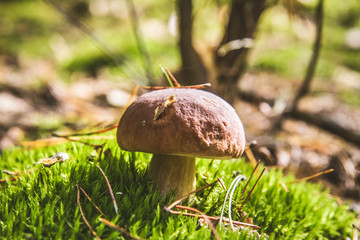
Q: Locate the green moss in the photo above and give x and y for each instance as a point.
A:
(42, 203)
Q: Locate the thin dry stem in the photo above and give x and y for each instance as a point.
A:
(247, 182)
(187, 195)
(11, 179)
(203, 215)
(200, 214)
(285, 187)
(83, 215)
(173, 79)
(110, 189)
(217, 219)
(250, 156)
(248, 196)
(119, 229)
(313, 176)
(222, 184)
(86, 134)
(87, 196)
(199, 86)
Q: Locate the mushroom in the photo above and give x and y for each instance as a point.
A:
(177, 125)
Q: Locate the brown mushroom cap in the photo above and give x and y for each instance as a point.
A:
(198, 124)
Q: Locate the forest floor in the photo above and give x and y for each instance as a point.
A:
(34, 111)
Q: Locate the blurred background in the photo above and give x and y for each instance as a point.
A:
(291, 69)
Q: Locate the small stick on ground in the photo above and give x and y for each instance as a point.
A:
(187, 195)
(173, 79)
(199, 86)
(206, 218)
(221, 182)
(247, 182)
(83, 215)
(313, 176)
(248, 196)
(68, 136)
(85, 134)
(250, 156)
(216, 219)
(11, 179)
(200, 214)
(119, 229)
(110, 189)
(87, 196)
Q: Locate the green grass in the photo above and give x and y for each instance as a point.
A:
(43, 202)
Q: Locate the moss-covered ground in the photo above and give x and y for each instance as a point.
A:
(42, 202)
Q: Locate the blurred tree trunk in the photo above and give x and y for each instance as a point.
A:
(192, 70)
(243, 19)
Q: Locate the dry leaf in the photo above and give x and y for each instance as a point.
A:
(59, 157)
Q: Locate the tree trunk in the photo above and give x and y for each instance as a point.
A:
(193, 70)
(243, 20)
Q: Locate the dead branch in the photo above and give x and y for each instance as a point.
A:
(326, 124)
(314, 119)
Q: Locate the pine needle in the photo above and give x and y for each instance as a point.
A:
(87, 196)
(119, 229)
(83, 215)
(110, 189)
(313, 176)
(250, 156)
(248, 196)
(167, 76)
(202, 215)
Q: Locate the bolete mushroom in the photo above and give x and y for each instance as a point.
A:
(177, 125)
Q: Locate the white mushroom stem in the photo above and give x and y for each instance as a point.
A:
(171, 172)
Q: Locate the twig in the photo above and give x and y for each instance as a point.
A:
(221, 182)
(110, 189)
(87, 133)
(247, 182)
(87, 196)
(248, 196)
(187, 195)
(285, 187)
(314, 119)
(119, 229)
(199, 86)
(173, 79)
(168, 209)
(11, 179)
(130, 100)
(250, 156)
(203, 215)
(313, 176)
(83, 215)
(217, 219)
(11, 173)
